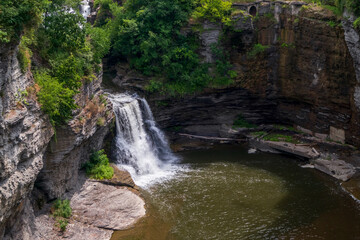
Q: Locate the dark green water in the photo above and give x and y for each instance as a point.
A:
(226, 193)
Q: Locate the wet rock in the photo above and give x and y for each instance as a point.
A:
(106, 206)
(336, 168)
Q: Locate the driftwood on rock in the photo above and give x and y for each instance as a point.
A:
(212, 138)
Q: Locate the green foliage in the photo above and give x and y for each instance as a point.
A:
(62, 208)
(223, 73)
(147, 34)
(100, 42)
(68, 72)
(332, 24)
(357, 23)
(63, 224)
(62, 212)
(213, 10)
(98, 167)
(287, 45)
(240, 122)
(15, 16)
(100, 122)
(24, 56)
(258, 134)
(257, 49)
(62, 30)
(280, 138)
(55, 99)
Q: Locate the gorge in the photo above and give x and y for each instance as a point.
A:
(176, 95)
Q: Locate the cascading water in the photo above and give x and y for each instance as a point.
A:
(140, 146)
(85, 8)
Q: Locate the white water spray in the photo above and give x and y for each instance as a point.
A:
(140, 146)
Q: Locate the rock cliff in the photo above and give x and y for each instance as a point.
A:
(25, 133)
(29, 154)
(306, 74)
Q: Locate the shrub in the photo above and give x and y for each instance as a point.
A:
(213, 10)
(98, 167)
(240, 122)
(55, 99)
(19, 15)
(257, 49)
(63, 224)
(332, 24)
(100, 122)
(280, 138)
(62, 212)
(24, 55)
(357, 23)
(62, 208)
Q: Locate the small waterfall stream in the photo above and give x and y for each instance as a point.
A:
(85, 8)
(140, 146)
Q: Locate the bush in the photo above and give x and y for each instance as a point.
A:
(24, 55)
(280, 138)
(98, 167)
(240, 122)
(257, 49)
(214, 10)
(62, 208)
(55, 99)
(357, 23)
(19, 15)
(62, 211)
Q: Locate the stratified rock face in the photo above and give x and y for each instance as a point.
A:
(24, 134)
(305, 76)
(75, 142)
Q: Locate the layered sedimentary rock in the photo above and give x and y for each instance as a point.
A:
(27, 147)
(306, 74)
(24, 134)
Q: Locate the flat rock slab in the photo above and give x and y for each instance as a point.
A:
(107, 206)
(291, 148)
(336, 168)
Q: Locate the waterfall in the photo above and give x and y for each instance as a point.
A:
(140, 146)
(85, 8)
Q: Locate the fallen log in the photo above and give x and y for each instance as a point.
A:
(212, 138)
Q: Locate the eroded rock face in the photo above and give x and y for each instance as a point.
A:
(24, 134)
